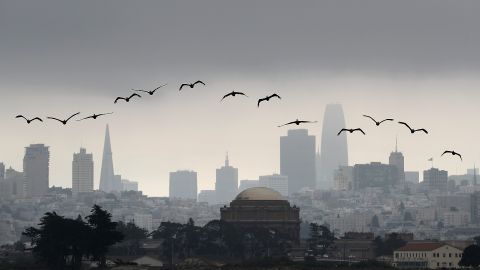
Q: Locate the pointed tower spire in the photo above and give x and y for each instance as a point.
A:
(474, 175)
(227, 163)
(106, 175)
(396, 144)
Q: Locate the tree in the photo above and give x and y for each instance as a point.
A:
(104, 233)
(321, 238)
(471, 256)
(131, 241)
(477, 240)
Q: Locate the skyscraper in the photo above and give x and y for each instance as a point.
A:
(2, 171)
(107, 181)
(183, 185)
(297, 159)
(396, 159)
(82, 172)
(13, 186)
(226, 184)
(276, 182)
(36, 170)
(334, 151)
(436, 179)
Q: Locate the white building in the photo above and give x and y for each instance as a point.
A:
(432, 255)
(276, 182)
(82, 172)
(343, 178)
(128, 185)
(456, 218)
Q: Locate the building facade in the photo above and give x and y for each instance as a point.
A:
(276, 182)
(226, 183)
(264, 208)
(374, 174)
(397, 160)
(343, 178)
(183, 185)
(36, 169)
(297, 159)
(432, 255)
(82, 172)
(435, 179)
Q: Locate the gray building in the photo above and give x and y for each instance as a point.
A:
(244, 184)
(128, 185)
(297, 159)
(207, 196)
(334, 151)
(276, 182)
(396, 159)
(107, 175)
(82, 172)
(226, 183)
(2, 171)
(374, 174)
(435, 179)
(13, 185)
(183, 185)
(475, 207)
(36, 170)
(412, 177)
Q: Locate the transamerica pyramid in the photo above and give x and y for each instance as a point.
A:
(107, 174)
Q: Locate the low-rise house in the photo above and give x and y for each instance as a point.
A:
(432, 255)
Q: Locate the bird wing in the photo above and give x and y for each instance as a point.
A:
(459, 156)
(118, 99)
(37, 118)
(260, 100)
(91, 116)
(21, 116)
(304, 121)
(198, 82)
(289, 123)
(241, 93)
(342, 130)
(421, 129)
(403, 123)
(53, 118)
(134, 95)
(158, 87)
(388, 119)
(72, 116)
(183, 84)
(359, 129)
(274, 95)
(140, 90)
(229, 94)
(370, 118)
(104, 113)
(447, 152)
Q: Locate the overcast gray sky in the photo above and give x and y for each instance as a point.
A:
(416, 61)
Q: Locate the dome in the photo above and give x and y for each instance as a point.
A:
(259, 194)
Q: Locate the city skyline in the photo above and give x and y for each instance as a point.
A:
(366, 56)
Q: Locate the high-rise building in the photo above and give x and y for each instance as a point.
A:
(436, 179)
(244, 184)
(276, 182)
(36, 170)
(207, 196)
(297, 159)
(334, 151)
(343, 178)
(226, 184)
(396, 159)
(82, 172)
(183, 185)
(412, 177)
(13, 186)
(475, 207)
(374, 174)
(128, 185)
(2, 171)
(107, 181)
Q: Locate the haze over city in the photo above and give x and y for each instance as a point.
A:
(412, 61)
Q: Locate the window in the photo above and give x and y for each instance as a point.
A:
(444, 255)
(449, 255)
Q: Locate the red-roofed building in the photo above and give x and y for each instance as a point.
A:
(430, 255)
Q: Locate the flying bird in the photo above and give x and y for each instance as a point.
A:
(29, 120)
(94, 116)
(297, 122)
(63, 121)
(413, 130)
(376, 122)
(127, 99)
(453, 154)
(190, 84)
(233, 93)
(267, 98)
(350, 130)
(150, 92)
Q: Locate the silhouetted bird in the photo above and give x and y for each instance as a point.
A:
(453, 154)
(63, 121)
(190, 84)
(267, 98)
(413, 130)
(29, 120)
(233, 93)
(127, 99)
(297, 122)
(94, 116)
(376, 122)
(150, 92)
(350, 130)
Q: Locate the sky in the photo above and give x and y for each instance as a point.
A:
(415, 61)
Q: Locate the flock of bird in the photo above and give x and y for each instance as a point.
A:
(230, 94)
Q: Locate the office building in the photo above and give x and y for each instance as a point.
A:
(396, 159)
(343, 178)
(276, 182)
(207, 196)
(435, 179)
(412, 177)
(226, 183)
(297, 160)
(82, 172)
(183, 185)
(128, 185)
(107, 175)
(244, 184)
(374, 174)
(36, 170)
